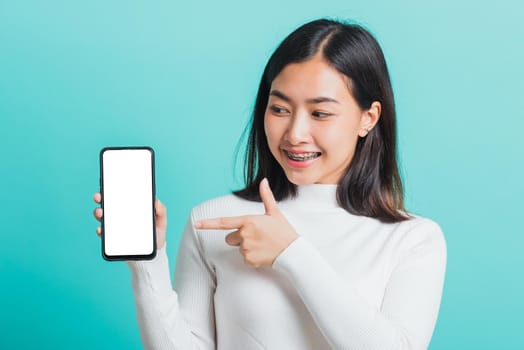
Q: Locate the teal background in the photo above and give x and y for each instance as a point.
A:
(181, 76)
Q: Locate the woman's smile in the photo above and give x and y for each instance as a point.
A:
(301, 159)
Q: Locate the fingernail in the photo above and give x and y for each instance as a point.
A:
(198, 224)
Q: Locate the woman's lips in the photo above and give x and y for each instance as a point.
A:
(301, 159)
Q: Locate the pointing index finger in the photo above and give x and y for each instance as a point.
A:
(223, 223)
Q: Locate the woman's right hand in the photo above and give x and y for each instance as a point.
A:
(160, 219)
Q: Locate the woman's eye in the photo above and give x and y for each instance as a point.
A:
(318, 114)
(278, 110)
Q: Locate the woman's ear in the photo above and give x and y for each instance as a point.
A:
(369, 119)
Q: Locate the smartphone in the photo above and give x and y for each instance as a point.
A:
(127, 186)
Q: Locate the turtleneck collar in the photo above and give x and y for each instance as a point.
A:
(317, 196)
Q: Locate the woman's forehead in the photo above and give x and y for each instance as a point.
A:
(312, 79)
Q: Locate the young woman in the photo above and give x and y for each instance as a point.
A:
(317, 251)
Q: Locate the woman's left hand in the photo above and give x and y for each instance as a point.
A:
(261, 238)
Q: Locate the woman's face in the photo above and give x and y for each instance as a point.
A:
(312, 122)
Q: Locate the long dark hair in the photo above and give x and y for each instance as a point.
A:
(371, 185)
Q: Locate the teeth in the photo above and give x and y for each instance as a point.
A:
(302, 156)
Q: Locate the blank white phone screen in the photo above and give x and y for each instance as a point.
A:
(128, 202)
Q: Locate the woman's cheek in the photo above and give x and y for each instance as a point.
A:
(273, 133)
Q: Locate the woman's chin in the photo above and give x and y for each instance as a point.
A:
(300, 180)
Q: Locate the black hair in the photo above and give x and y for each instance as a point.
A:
(371, 185)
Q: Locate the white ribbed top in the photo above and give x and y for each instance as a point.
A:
(348, 282)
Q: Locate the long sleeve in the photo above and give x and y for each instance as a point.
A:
(410, 305)
(183, 317)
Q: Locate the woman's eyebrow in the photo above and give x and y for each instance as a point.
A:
(315, 100)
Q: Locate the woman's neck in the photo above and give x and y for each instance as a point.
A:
(316, 196)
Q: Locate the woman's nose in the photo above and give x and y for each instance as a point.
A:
(298, 129)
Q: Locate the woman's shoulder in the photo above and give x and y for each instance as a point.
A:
(416, 222)
(421, 231)
(227, 205)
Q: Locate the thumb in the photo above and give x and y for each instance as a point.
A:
(160, 212)
(270, 204)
